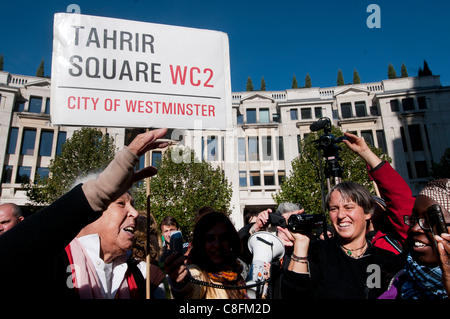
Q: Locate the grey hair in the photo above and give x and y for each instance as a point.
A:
(288, 207)
(357, 193)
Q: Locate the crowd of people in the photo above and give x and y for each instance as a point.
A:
(82, 245)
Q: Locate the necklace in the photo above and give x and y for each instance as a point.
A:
(350, 252)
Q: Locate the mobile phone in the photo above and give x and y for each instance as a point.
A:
(436, 219)
(176, 241)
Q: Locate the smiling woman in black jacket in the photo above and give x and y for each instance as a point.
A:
(346, 265)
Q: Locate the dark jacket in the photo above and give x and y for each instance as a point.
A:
(33, 262)
(334, 275)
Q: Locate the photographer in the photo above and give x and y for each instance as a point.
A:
(345, 266)
(277, 268)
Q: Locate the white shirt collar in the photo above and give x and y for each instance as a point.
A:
(110, 275)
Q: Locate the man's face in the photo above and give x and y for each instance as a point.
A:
(7, 219)
(166, 230)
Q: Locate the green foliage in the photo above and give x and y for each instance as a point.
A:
(182, 186)
(294, 83)
(1, 62)
(340, 78)
(307, 81)
(40, 70)
(391, 72)
(356, 78)
(404, 71)
(249, 84)
(263, 84)
(426, 69)
(303, 184)
(87, 151)
(442, 169)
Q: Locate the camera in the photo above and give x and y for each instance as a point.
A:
(305, 222)
(299, 222)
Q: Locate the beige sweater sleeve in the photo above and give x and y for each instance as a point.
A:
(113, 182)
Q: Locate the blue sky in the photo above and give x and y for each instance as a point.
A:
(274, 39)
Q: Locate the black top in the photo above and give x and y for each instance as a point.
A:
(335, 275)
(30, 261)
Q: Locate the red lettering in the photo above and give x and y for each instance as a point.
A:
(95, 103)
(212, 110)
(68, 103)
(140, 106)
(189, 109)
(178, 73)
(192, 77)
(204, 110)
(167, 108)
(209, 79)
(131, 105)
(148, 105)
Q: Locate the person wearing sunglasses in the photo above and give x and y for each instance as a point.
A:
(427, 270)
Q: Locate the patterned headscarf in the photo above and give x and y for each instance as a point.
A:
(439, 191)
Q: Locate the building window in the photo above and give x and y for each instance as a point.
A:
(335, 114)
(212, 149)
(242, 178)
(19, 106)
(394, 105)
(12, 141)
(255, 178)
(368, 137)
(7, 173)
(408, 104)
(241, 149)
(28, 141)
(264, 116)
(46, 143)
(269, 178)
(276, 118)
(251, 116)
(421, 169)
(253, 148)
(156, 158)
(61, 140)
(422, 101)
(267, 148)
(280, 177)
(402, 133)
(280, 148)
(239, 118)
(23, 174)
(42, 172)
(360, 108)
(294, 114)
(35, 105)
(415, 137)
(346, 110)
(382, 141)
(47, 106)
(374, 110)
(306, 114)
(318, 112)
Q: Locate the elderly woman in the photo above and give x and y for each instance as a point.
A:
(427, 271)
(212, 263)
(346, 265)
(33, 258)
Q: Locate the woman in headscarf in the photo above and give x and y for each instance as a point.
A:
(422, 276)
